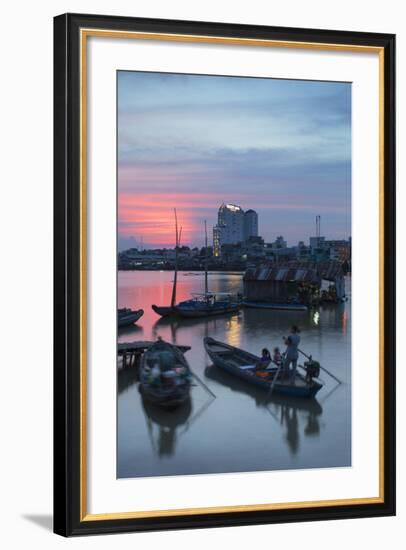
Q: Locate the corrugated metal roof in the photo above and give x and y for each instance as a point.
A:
(282, 274)
(308, 272)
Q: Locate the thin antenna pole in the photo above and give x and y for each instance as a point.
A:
(175, 275)
(206, 286)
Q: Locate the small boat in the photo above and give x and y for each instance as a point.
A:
(126, 316)
(238, 385)
(276, 306)
(243, 364)
(165, 376)
(164, 311)
(208, 304)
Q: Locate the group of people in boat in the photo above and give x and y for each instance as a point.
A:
(287, 359)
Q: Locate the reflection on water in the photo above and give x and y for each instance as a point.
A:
(293, 414)
(241, 428)
(162, 426)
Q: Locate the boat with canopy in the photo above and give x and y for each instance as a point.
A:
(165, 375)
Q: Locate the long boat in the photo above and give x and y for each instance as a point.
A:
(244, 365)
(208, 304)
(126, 316)
(165, 376)
(276, 306)
(236, 384)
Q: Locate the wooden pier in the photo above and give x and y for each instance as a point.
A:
(132, 351)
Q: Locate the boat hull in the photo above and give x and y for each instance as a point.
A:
(130, 318)
(194, 313)
(284, 388)
(164, 311)
(170, 401)
(164, 396)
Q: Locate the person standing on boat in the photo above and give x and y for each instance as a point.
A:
(291, 354)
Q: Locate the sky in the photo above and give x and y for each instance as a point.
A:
(280, 147)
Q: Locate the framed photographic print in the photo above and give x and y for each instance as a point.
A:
(224, 274)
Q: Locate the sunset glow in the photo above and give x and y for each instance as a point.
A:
(282, 148)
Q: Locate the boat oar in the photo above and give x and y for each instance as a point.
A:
(274, 380)
(197, 415)
(203, 384)
(322, 368)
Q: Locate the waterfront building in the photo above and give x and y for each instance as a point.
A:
(339, 250)
(281, 283)
(216, 240)
(279, 242)
(316, 243)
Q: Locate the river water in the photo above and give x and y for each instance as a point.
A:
(238, 429)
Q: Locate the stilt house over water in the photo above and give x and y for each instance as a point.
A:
(293, 281)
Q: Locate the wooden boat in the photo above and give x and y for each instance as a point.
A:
(243, 365)
(164, 311)
(164, 375)
(237, 385)
(126, 316)
(205, 304)
(208, 304)
(276, 306)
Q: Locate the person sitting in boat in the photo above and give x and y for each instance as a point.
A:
(291, 354)
(155, 374)
(265, 359)
(277, 356)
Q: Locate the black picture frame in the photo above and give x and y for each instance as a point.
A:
(67, 344)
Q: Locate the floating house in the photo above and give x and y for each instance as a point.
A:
(333, 272)
(292, 282)
(280, 284)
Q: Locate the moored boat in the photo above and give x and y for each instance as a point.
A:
(244, 365)
(208, 304)
(127, 316)
(237, 385)
(164, 311)
(165, 376)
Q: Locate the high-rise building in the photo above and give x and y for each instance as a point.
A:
(229, 228)
(250, 224)
(233, 226)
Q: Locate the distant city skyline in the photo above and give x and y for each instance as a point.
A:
(279, 147)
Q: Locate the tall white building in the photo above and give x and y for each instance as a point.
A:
(233, 226)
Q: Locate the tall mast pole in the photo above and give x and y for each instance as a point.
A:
(206, 286)
(175, 275)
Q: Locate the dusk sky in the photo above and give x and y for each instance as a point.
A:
(280, 147)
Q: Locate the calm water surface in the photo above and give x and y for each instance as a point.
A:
(239, 429)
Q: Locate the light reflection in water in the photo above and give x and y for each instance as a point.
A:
(233, 333)
(344, 322)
